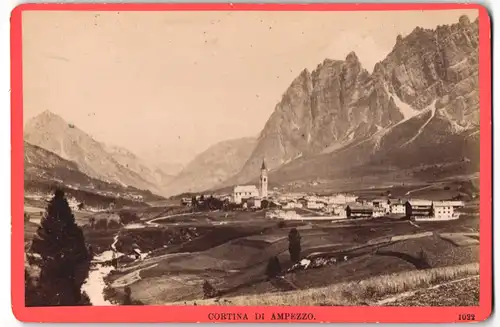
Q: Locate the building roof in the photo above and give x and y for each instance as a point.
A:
(447, 203)
(245, 188)
(359, 206)
(420, 202)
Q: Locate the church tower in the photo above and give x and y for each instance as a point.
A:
(263, 180)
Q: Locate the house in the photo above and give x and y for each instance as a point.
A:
(418, 208)
(315, 205)
(382, 204)
(288, 215)
(254, 203)
(291, 204)
(339, 211)
(456, 204)
(186, 201)
(379, 212)
(302, 201)
(342, 199)
(241, 192)
(397, 207)
(356, 210)
(444, 210)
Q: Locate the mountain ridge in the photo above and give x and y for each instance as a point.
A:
(96, 159)
(422, 95)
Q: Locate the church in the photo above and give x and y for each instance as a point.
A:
(245, 192)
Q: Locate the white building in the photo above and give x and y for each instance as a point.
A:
(444, 210)
(315, 205)
(397, 208)
(382, 204)
(241, 192)
(379, 212)
(291, 204)
(342, 199)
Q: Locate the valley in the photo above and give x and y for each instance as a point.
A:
(231, 251)
(361, 188)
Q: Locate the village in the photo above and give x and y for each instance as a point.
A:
(309, 206)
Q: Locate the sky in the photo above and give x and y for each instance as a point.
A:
(167, 85)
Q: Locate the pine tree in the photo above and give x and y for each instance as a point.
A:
(273, 268)
(294, 246)
(65, 259)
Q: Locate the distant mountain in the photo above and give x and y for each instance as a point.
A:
(213, 166)
(150, 172)
(95, 159)
(44, 169)
(420, 106)
(169, 168)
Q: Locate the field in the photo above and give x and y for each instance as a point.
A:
(231, 250)
(233, 256)
(379, 290)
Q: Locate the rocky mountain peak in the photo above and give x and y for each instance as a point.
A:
(46, 117)
(352, 58)
(340, 104)
(464, 20)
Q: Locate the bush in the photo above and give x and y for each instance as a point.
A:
(127, 217)
(424, 258)
(208, 290)
(65, 259)
(273, 268)
(101, 224)
(281, 224)
(112, 224)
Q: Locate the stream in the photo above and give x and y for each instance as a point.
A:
(94, 285)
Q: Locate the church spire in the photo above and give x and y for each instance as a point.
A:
(263, 165)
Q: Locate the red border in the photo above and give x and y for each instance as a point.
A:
(200, 313)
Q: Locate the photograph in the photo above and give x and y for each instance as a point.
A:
(252, 158)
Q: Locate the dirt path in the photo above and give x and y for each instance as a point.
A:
(419, 189)
(152, 221)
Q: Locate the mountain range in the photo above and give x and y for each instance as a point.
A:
(43, 169)
(419, 107)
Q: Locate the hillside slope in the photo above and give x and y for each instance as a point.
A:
(95, 159)
(213, 166)
(44, 169)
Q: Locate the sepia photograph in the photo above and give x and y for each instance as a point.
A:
(251, 158)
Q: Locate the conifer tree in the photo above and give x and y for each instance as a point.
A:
(294, 246)
(273, 268)
(65, 258)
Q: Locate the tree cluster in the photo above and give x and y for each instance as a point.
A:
(207, 204)
(128, 216)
